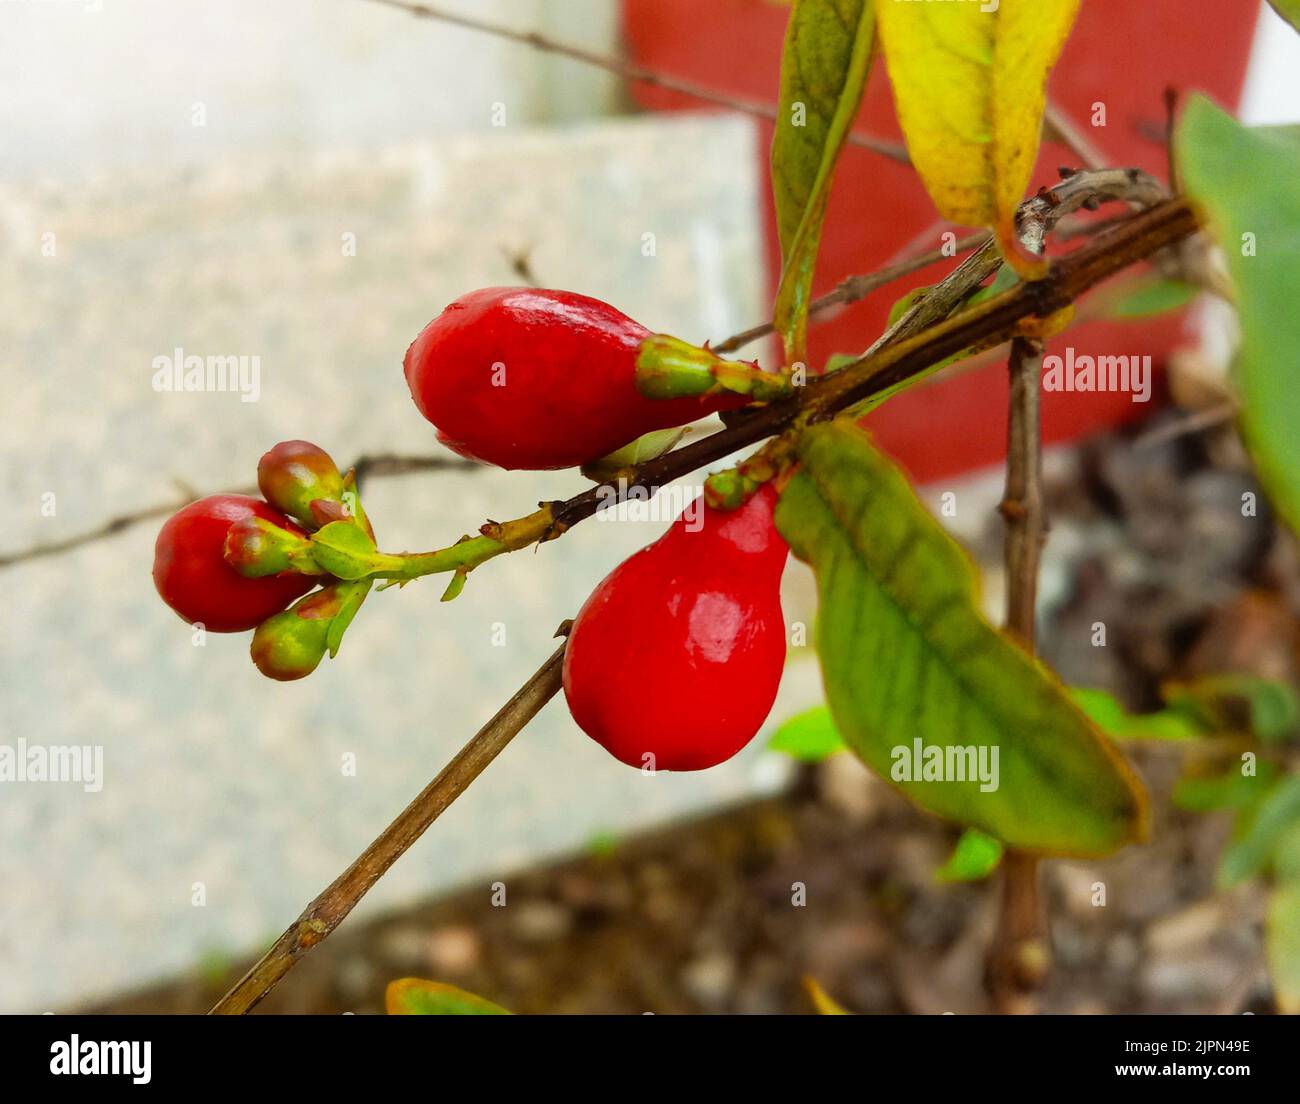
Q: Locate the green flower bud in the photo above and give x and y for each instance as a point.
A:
(256, 547)
(291, 644)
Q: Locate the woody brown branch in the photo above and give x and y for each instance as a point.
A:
(1021, 954)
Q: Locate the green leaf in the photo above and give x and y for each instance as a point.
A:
(976, 856)
(1282, 931)
(908, 660)
(1249, 182)
(1286, 855)
(824, 68)
(1231, 790)
(1151, 297)
(810, 736)
(1266, 709)
(1252, 853)
(417, 997)
(1109, 714)
(1288, 10)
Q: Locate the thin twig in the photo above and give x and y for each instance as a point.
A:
(1021, 954)
(629, 70)
(1209, 418)
(330, 908)
(382, 464)
(1061, 127)
(853, 288)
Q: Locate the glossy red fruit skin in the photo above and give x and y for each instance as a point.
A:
(570, 393)
(194, 579)
(678, 652)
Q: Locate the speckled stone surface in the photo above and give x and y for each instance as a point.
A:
(213, 775)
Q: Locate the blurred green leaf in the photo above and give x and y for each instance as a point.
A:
(1109, 714)
(1253, 852)
(1282, 933)
(824, 68)
(974, 857)
(810, 736)
(1286, 855)
(1266, 709)
(908, 660)
(1152, 297)
(417, 997)
(602, 843)
(1231, 790)
(1249, 182)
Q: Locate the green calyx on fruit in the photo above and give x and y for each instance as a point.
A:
(256, 547)
(291, 644)
(669, 368)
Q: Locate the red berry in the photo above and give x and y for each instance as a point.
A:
(677, 654)
(529, 378)
(194, 579)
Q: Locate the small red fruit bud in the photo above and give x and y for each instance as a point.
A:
(674, 661)
(293, 474)
(531, 378)
(193, 577)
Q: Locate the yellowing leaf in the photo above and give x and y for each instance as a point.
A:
(417, 997)
(825, 1004)
(916, 677)
(969, 85)
(824, 67)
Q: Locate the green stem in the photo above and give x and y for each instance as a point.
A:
(467, 553)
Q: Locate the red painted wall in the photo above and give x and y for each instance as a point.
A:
(1121, 52)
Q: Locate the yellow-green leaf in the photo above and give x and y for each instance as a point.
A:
(1283, 936)
(822, 1001)
(824, 67)
(969, 85)
(913, 671)
(417, 997)
(1249, 182)
(1288, 10)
